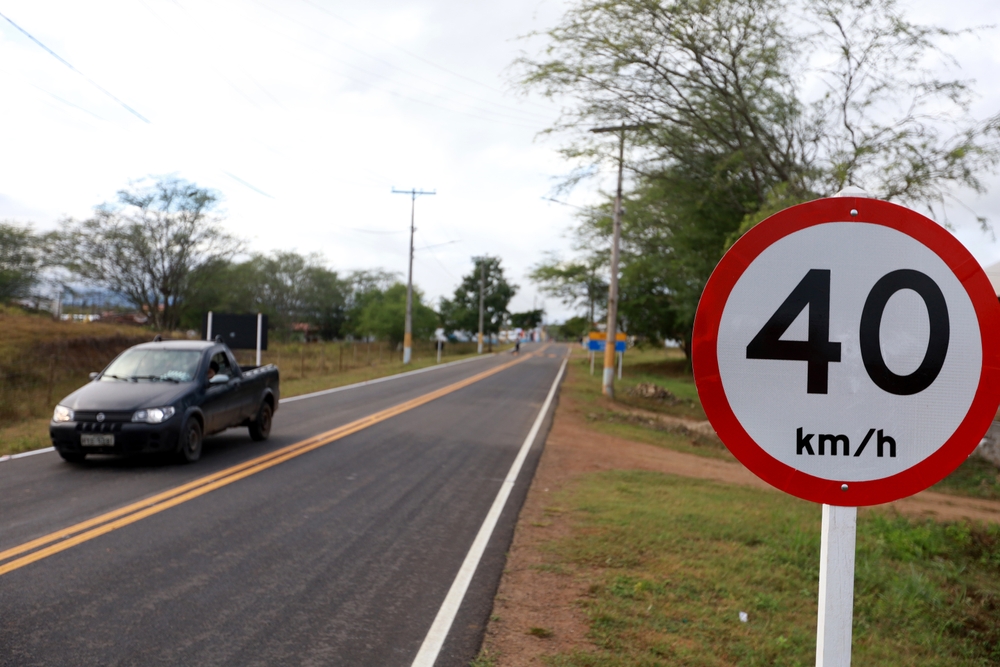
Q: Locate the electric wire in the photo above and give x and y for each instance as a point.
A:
(409, 98)
(67, 64)
(529, 115)
(411, 54)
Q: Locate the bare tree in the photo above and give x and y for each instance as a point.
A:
(146, 245)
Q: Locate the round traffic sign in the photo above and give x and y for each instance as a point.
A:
(846, 352)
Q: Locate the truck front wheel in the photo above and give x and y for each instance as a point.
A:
(189, 450)
(260, 427)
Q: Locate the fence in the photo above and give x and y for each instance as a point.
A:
(302, 360)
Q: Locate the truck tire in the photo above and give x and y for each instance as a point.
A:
(189, 447)
(260, 427)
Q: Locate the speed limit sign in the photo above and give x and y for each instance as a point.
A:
(846, 351)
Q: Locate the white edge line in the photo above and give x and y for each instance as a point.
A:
(10, 457)
(431, 647)
(23, 454)
(324, 392)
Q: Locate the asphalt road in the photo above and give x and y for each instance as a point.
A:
(338, 556)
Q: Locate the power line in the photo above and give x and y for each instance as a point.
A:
(67, 64)
(255, 189)
(411, 54)
(535, 116)
(410, 98)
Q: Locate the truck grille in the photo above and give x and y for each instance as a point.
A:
(97, 427)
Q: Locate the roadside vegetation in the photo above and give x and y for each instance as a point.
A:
(670, 563)
(636, 417)
(41, 361)
(731, 111)
(158, 259)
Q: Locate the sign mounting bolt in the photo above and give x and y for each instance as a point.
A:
(854, 212)
(843, 487)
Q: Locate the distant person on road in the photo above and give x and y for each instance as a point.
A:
(213, 369)
(517, 346)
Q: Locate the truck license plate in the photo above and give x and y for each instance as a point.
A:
(97, 440)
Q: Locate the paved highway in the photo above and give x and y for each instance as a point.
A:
(333, 543)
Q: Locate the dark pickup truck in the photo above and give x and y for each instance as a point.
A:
(164, 397)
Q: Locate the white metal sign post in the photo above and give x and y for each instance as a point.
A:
(846, 351)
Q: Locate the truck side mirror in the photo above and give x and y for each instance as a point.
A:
(93, 376)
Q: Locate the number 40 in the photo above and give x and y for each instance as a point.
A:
(818, 351)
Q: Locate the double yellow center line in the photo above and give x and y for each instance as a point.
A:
(66, 538)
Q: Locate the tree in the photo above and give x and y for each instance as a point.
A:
(287, 286)
(719, 84)
(529, 319)
(19, 261)
(575, 283)
(363, 287)
(146, 246)
(726, 134)
(461, 312)
(384, 313)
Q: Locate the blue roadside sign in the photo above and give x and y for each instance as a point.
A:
(598, 341)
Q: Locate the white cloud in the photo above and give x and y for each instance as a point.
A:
(324, 111)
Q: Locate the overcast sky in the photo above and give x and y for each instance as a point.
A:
(305, 114)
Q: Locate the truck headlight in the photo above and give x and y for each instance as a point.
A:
(153, 415)
(62, 414)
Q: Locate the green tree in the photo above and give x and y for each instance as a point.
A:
(147, 244)
(574, 328)
(363, 287)
(19, 261)
(287, 286)
(529, 319)
(726, 135)
(384, 313)
(577, 283)
(719, 85)
(461, 312)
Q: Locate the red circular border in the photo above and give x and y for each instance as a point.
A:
(713, 396)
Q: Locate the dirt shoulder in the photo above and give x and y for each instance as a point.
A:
(536, 593)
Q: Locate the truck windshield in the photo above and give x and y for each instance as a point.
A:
(154, 365)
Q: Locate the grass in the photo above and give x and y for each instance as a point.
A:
(643, 366)
(33, 433)
(672, 562)
(976, 478)
(667, 368)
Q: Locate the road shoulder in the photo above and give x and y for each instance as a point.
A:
(536, 611)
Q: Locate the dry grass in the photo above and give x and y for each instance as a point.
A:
(41, 361)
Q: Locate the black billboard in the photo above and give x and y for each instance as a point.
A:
(239, 332)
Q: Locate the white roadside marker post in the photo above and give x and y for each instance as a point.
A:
(208, 327)
(836, 586)
(260, 318)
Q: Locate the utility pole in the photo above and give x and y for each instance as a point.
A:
(408, 325)
(482, 289)
(608, 382)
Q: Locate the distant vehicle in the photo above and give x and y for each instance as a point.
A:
(164, 397)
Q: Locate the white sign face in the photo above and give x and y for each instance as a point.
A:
(850, 428)
(847, 351)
